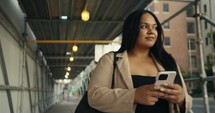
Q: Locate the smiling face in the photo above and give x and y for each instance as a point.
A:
(148, 32)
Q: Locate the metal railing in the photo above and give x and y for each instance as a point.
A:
(204, 81)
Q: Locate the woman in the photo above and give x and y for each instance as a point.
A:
(140, 58)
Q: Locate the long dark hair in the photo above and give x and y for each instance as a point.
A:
(130, 33)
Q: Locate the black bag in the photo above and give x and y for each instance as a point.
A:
(83, 106)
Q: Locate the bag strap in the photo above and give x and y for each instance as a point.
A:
(114, 66)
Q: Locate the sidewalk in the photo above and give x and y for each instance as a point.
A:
(63, 107)
(198, 105)
(70, 106)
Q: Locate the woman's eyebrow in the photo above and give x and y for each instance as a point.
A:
(147, 23)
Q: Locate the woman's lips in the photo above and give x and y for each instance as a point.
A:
(149, 37)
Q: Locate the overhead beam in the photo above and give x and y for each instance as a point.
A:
(67, 65)
(79, 21)
(74, 41)
(67, 57)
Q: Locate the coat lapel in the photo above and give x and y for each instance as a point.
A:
(124, 69)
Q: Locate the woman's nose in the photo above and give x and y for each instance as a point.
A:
(150, 29)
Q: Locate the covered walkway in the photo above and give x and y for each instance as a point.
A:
(37, 74)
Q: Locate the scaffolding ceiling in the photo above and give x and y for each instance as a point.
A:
(106, 20)
(55, 37)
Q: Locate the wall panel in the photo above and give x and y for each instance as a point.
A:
(28, 82)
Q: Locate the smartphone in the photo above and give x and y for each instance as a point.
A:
(167, 77)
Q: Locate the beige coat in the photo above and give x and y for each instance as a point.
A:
(121, 98)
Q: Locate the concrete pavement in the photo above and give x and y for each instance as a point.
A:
(63, 107)
(70, 106)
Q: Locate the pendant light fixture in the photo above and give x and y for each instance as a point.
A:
(68, 68)
(71, 59)
(85, 15)
(74, 48)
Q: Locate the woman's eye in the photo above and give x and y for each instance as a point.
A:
(143, 26)
(154, 27)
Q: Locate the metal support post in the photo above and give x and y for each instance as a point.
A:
(28, 82)
(26, 63)
(203, 74)
(6, 80)
(37, 84)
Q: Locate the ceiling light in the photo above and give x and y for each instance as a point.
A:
(75, 48)
(68, 53)
(64, 17)
(66, 76)
(85, 15)
(69, 69)
(67, 73)
(71, 59)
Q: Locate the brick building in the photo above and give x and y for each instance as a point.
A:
(180, 34)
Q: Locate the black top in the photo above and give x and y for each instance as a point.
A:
(160, 107)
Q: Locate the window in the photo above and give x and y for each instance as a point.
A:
(190, 27)
(205, 8)
(190, 12)
(167, 41)
(191, 44)
(166, 25)
(165, 7)
(206, 41)
(206, 25)
(193, 62)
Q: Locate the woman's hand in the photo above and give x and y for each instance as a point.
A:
(173, 93)
(148, 94)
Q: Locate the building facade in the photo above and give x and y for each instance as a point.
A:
(180, 38)
(208, 34)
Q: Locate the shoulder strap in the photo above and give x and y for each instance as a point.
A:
(114, 66)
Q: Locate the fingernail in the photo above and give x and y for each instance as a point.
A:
(162, 89)
(165, 84)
